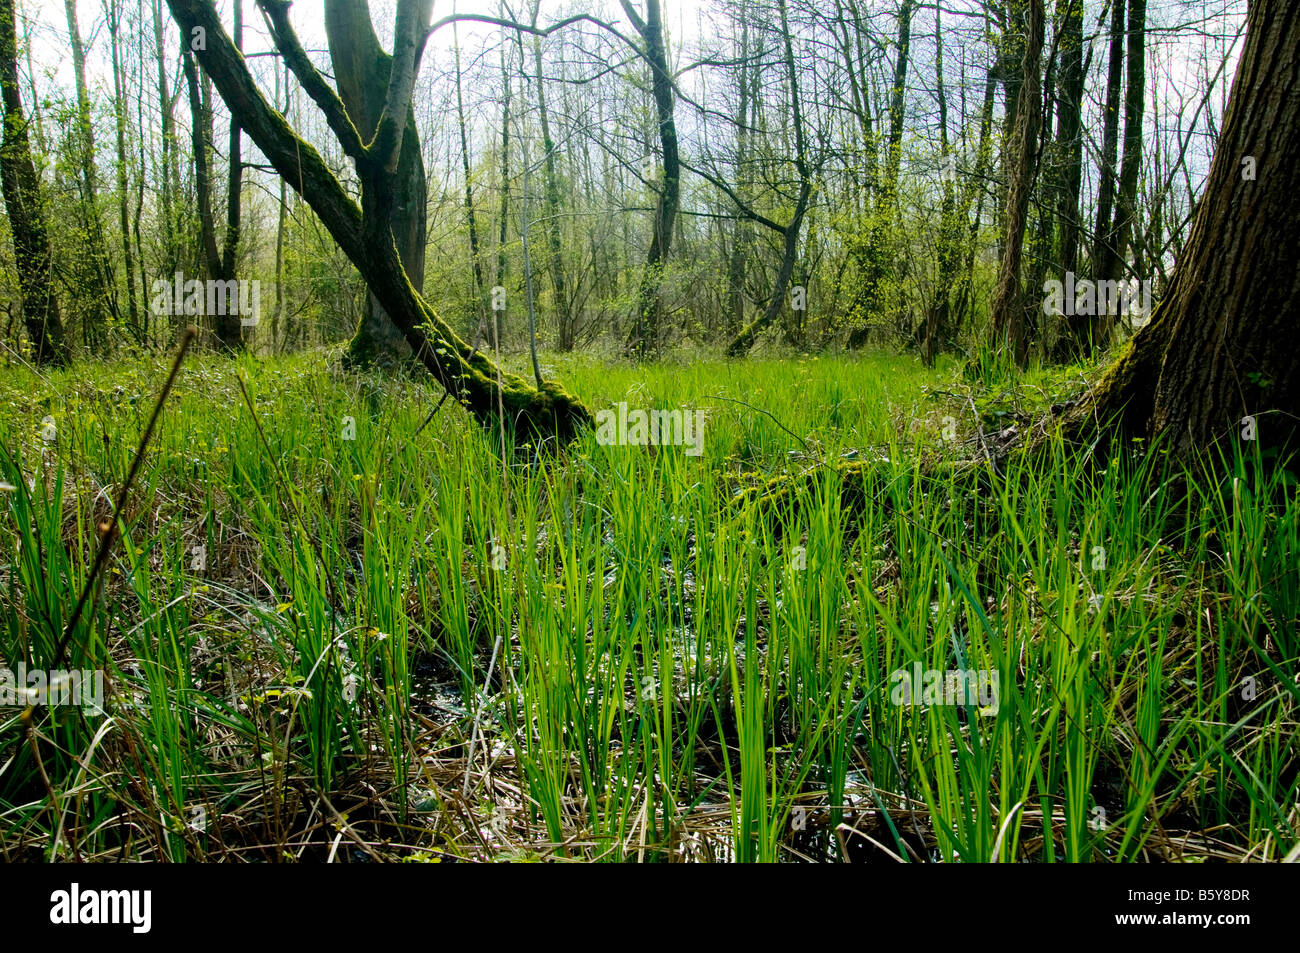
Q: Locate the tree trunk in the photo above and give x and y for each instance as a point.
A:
(277, 314)
(936, 318)
(168, 172)
(874, 262)
(364, 233)
(1134, 104)
(1219, 346)
(471, 220)
(114, 17)
(362, 72)
(742, 234)
(201, 148)
(1095, 329)
(88, 181)
(26, 213)
(644, 334)
(973, 193)
(790, 235)
(1065, 173)
(555, 257)
(503, 206)
(1007, 309)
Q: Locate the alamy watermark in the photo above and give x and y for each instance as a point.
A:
(657, 428)
(82, 688)
(932, 686)
(133, 908)
(1085, 297)
(193, 297)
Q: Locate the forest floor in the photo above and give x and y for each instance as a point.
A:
(336, 629)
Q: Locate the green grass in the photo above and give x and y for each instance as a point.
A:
(398, 647)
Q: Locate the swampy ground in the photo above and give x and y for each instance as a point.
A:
(334, 628)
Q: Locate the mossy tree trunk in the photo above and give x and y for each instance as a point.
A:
(1220, 345)
(871, 253)
(363, 231)
(26, 214)
(361, 72)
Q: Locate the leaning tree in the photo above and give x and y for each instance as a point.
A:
(1219, 347)
(364, 230)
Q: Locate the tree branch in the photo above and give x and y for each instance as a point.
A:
(276, 14)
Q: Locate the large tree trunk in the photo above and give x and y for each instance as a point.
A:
(1008, 310)
(201, 148)
(973, 193)
(1220, 344)
(228, 326)
(364, 233)
(494, 332)
(361, 72)
(26, 216)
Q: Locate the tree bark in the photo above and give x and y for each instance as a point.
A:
(1007, 309)
(26, 213)
(1219, 346)
(742, 232)
(168, 171)
(362, 71)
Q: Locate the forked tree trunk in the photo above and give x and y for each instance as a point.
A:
(26, 214)
(1220, 346)
(364, 233)
(361, 72)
